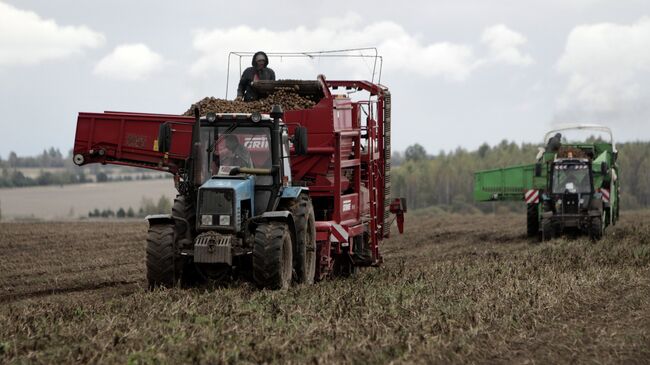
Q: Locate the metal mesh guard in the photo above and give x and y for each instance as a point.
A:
(212, 248)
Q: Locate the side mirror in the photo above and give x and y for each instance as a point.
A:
(538, 169)
(165, 137)
(300, 140)
(604, 168)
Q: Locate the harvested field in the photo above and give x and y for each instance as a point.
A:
(453, 289)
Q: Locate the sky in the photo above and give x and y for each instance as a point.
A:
(461, 73)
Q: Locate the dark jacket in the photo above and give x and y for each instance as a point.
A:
(247, 78)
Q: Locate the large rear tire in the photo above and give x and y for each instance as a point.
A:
(272, 256)
(304, 258)
(163, 264)
(532, 221)
(184, 208)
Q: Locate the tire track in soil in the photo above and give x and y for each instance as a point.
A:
(68, 290)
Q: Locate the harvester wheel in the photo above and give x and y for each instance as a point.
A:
(272, 256)
(532, 222)
(304, 258)
(343, 265)
(163, 264)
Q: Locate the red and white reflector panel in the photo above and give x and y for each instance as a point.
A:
(339, 235)
(531, 196)
(605, 193)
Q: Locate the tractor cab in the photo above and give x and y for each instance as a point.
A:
(237, 155)
(571, 186)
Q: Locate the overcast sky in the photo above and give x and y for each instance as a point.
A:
(461, 72)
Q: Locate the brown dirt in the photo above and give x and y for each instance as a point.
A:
(454, 288)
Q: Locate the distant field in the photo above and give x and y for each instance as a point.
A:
(113, 172)
(72, 201)
(453, 289)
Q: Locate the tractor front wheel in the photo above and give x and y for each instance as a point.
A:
(272, 256)
(546, 233)
(596, 229)
(163, 267)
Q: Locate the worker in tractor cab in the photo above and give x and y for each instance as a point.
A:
(259, 71)
(235, 154)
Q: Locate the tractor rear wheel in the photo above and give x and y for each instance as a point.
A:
(163, 268)
(532, 222)
(304, 258)
(184, 208)
(272, 256)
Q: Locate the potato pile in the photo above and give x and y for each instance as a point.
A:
(287, 98)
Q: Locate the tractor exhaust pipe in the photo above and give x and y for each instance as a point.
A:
(276, 160)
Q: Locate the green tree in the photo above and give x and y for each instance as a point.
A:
(164, 205)
(415, 153)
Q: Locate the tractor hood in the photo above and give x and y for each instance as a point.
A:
(243, 186)
(220, 202)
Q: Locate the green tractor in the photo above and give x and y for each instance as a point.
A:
(572, 187)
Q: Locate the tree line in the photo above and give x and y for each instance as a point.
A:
(62, 171)
(446, 180)
(147, 207)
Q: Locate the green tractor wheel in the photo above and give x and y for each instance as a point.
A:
(547, 231)
(596, 229)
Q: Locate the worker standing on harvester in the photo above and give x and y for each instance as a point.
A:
(259, 71)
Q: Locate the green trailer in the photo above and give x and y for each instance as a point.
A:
(570, 187)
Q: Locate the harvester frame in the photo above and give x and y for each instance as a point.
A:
(339, 171)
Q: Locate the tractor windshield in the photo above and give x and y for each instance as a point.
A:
(572, 178)
(241, 146)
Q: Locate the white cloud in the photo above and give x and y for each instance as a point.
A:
(402, 51)
(27, 39)
(608, 69)
(129, 62)
(504, 44)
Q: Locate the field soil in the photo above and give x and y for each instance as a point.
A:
(453, 289)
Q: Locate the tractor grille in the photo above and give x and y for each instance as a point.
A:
(216, 202)
(570, 204)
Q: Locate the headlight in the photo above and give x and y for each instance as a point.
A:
(206, 220)
(224, 220)
(256, 117)
(211, 117)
